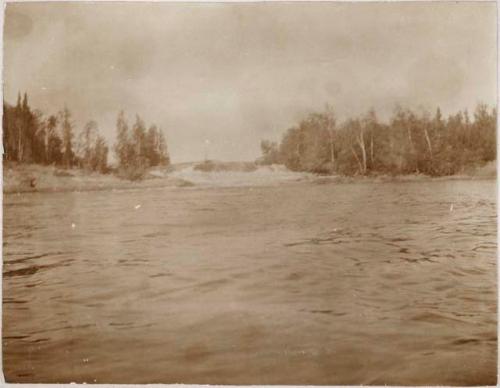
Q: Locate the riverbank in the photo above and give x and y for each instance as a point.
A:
(488, 171)
(25, 178)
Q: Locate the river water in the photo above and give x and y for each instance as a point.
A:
(289, 283)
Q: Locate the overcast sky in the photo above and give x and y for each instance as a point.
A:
(236, 73)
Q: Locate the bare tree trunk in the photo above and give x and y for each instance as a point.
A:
(330, 126)
(412, 148)
(332, 151)
(428, 139)
(429, 146)
(371, 149)
(46, 144)
(357, 159)
(19, 147)
(361, 143)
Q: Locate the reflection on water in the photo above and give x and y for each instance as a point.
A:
(290, 284)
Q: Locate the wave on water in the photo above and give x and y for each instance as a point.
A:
(261, 176)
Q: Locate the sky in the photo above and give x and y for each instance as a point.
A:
(233, 74)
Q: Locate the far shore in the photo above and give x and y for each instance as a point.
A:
(33, 178)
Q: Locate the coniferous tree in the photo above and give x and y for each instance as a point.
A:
(30, 138)
(139, 142)
(54, 142)
(39, 149)
(68, 156)
(152, 145)
(100, 161)
(9, 133)
(164, 157)
(122, 147)
(20, 124)
(86, 144)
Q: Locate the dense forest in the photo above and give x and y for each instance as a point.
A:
(31, 137)
(409, 143)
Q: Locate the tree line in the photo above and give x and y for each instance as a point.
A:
(137, 149)
(31, 137)
(408, 143)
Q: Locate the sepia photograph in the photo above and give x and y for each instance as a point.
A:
(250, 193)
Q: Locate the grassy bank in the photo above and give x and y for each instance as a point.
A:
(23, 178)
